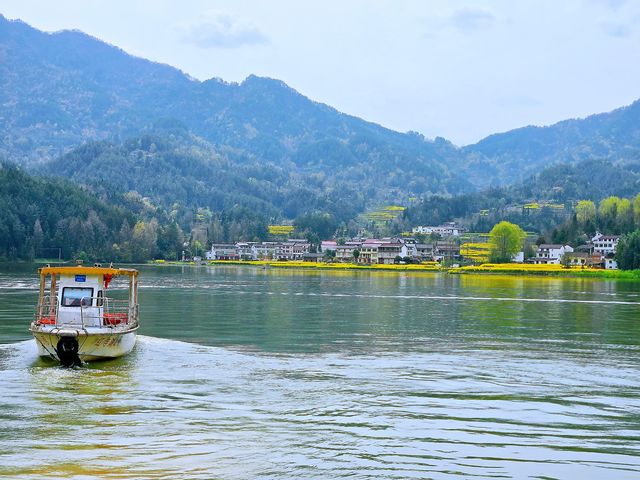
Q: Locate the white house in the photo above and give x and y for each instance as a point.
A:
(449, 229)
(369, 251)
(222, 251)
(265, 250)
(424, 251)
(388, 251)
(292, 249)
(549, 253)
(610, 262)
(246, 251)
(344, 253)
(327, 245)
(605, 244)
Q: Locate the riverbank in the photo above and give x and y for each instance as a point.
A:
(484, 269)
(425, 267)
(543, 270)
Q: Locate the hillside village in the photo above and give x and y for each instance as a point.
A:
(443, 244)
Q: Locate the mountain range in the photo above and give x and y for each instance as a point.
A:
(76, 107)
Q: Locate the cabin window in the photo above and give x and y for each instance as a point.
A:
(76, 297)
(99, 300)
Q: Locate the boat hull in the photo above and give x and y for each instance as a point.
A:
(96, 345)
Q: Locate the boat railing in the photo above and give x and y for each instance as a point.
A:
(94, 312)
(47, 311)
(108, 312)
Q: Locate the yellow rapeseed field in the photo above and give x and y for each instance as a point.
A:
(514, 268)
(476, 251)
(280, 230)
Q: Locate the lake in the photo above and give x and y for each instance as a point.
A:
(242, 373)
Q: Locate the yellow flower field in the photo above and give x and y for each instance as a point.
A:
(280, 230)
(383, 214)
(476, 251)
(514, 268)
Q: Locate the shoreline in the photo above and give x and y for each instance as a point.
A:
(525, 270)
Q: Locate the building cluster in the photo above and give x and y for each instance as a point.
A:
(599, 252)
(370, 251)
(292, 249)
(366, 251)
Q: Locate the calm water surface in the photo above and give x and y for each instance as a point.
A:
(248, 373)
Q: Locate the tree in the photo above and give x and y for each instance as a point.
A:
(624, 216)
(636, 211)
(586, 212)
(329, 255)
(170, 241)
(506, 240)
(356, 255)
(608, 212)
(628, 251)
(216, 231)
(420, 237)
(529, 251)
(197, 247)
(323, 225)
(144, 240)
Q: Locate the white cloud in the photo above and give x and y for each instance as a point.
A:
(221, 30)
(467, 19)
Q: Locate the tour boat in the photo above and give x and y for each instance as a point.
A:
(76, 321)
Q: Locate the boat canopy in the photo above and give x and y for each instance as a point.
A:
(80, 270)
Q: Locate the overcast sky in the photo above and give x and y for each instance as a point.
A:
(457, 69)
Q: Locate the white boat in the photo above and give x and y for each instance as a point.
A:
(76, 321)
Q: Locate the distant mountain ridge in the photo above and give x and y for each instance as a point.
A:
(67, 88)
(61, 90)
(518, 153)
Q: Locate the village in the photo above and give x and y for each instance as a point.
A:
(444, 244)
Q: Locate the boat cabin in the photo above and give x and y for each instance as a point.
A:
(77, 296)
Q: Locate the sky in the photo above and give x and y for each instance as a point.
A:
(459, 69)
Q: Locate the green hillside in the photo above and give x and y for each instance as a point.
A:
(38, 216)
(539, 203)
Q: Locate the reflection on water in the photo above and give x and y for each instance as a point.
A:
(245, 373)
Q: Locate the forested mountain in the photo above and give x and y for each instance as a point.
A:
(554, 186)
(39, 215)
(176, 153)
(176, 173)
(517, 154)
(60, 90)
